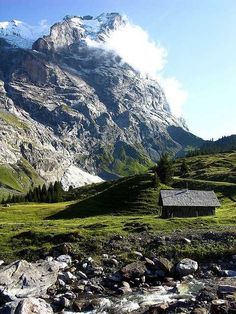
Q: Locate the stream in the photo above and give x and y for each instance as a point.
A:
(146, 298)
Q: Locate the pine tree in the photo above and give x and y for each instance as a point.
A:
(50, 196)
(57, 188)
(164, 169)
(156, 180)
(184, 169)
(44, 194)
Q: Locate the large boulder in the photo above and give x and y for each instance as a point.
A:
(22, 279)
(186, 267)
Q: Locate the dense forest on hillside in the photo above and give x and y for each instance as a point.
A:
(224, 144)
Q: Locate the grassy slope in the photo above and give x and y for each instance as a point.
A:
(134, 194)
(17, 178)
(125, 206)
(219, 167)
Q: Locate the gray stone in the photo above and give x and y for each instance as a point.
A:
(33, 305)
(22, 279)
(163, 264)
(133, 270)
(139, 254)
(65, 259)
(81, 274)
(229, 273)
(186, 267)
(226, 289)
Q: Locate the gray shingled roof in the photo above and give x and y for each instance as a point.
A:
(189, 198)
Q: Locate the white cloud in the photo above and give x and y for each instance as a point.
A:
(175, 93)
(135, 47)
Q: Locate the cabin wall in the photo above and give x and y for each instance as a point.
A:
(184, 211)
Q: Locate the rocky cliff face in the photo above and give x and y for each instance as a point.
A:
(68, 103)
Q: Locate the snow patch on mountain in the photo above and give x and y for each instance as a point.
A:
(20, 34)
(77, 177)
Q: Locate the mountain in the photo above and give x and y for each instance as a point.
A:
(20, 34)
(71, 105)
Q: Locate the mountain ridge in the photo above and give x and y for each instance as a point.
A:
(82, 106)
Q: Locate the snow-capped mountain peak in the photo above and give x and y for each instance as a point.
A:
(21, 34)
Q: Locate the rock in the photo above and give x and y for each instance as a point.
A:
(81, 274)
(139, 254)
(78, 305)
(186, 241)
(97, 271)
(10, 307)
(157, 309)
(5, 297)
(219, 306)
(125, 284)
(149, 263)
(33, 305)
(79, 288)
(224, 290)
(61, 282)
(70, 295)
(67, 277)
(116, 277)
(123, 290)
(200, 310)
(65, 259)
(64, 302)
(206, 295)
(163, 264)
(22, 279)
(186, 267)
(111, 262)
(105, 256)
(229, 273)
(133, 270)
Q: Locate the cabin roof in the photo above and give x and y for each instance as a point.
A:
(189, 198)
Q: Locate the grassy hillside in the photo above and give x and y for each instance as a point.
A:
(218, 167)
(133, 194)
(17, 178)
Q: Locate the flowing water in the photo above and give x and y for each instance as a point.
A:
(144, 299)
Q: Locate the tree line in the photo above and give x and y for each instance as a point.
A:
(164, 170)
(52, 194)
(224, 144)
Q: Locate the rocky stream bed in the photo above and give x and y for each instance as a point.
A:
(64, 282)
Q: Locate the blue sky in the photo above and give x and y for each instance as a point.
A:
(199, 36)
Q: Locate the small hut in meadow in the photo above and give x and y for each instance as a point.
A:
(188, 203)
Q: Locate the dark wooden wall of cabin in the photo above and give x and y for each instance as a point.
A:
(184, 211)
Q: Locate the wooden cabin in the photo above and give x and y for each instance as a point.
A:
(187, 203)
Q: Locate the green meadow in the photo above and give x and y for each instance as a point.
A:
(128, 206)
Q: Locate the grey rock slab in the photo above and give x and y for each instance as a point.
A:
(22, 279)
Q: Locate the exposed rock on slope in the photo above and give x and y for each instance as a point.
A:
(73, 104)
